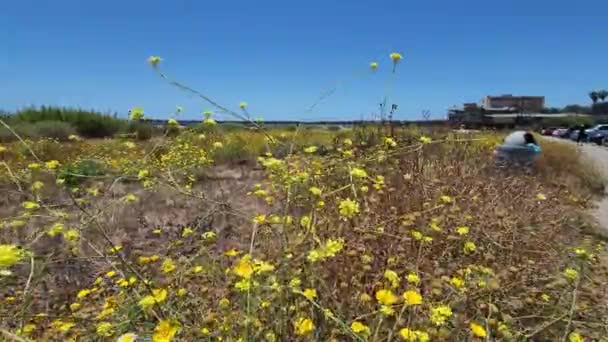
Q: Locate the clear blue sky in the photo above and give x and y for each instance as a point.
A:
(279, 56)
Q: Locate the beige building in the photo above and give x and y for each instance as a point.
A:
(533, 104)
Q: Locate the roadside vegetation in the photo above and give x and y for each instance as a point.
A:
(366, 234)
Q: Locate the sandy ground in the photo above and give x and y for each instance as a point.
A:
(600, 156)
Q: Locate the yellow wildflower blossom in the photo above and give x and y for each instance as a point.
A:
(477, 330)
(104, 329)
(412, 297)
(165, 330)
(310, 294)
(244, 267)
(10, 255)
(359, 328)
(303, 326)
(168, 266)
(348, 208)
(386, 297)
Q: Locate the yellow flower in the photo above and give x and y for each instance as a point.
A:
(104, 329)
(412, 297)
(315, 191)
(260, 219)
(358, 173)
(446, 199)
(413, 278)
(348, 208)
(243, 285)
(114, 249)
(243, 105)
(136, 113)
(187, 232)
(373, 66)
(416, 234)
(303, 326)
(545, 297)
(244, 267)
(224, 302)
(28, 328)
(359, 328)
(310, 294)
(390, 142)
(128, 337)
(469, 247)
(37, 185)
(83, 293)
(477, 330)
(541, 197)
(154, 60)
(56, 229)
(157, 296)
(74, 137)
(386, 297)
(143, 174)
(110, 274)
(61, 325)
(407, 335)
(172, 122)
(75, 306)
(197, 269)
(396, 57)
(393, 277)
(34, 166)
(168, 266)
(462, 230)
(30, 205)
(575, 337)
(311, 149)
(570, 273)
(210, 235)
(9, 255)
(129, 198)
(232, 253)
(387, 310)
(425, 140)
(2, 149)
(440, 314)
(165, 330)
(457, 282)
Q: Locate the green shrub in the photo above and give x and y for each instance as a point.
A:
(142, 130)
(235, 150)
(87, 123)
(54, 129)
(24, 130)
(78, 172)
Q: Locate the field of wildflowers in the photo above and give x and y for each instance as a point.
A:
(368, 234)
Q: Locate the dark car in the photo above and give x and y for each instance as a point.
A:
(548, 131)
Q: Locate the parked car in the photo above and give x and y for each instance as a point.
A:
(560, 132)
(598, 134)
(548, 131)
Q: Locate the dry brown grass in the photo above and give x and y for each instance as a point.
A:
(525, 228)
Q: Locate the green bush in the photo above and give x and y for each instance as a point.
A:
(142, 130)
(24, 130)
(78, 172)
(87, 123)
(54, 129)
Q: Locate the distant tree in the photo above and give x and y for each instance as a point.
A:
(574, 108)
(550, 110)
(602, 94)
(593, 95)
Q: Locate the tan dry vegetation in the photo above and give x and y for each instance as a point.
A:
(319, 225)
